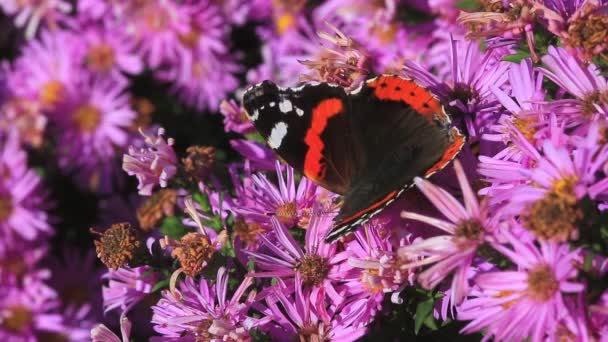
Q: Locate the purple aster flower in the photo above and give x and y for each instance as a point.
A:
(259, 156)
(78, 286)
(585, 83)
(202, 81)
(235, 118)
(202, 311)
(92, 120)
(547, 199)
(22, 201)
(101, 333)
(467, 91)
(108, 50)
(157, 26)
(29, 14)
(522, 102)
(319, 264)
(305, 316)
(469, 226)
(527, 303)
(46, 67)
(20, 261)
(152, 165)
(28, 312)
(25, 116)
(203, 74)
(376, 271)
(288, 202)
(127, 287)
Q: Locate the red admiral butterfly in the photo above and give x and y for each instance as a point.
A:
(367, 144)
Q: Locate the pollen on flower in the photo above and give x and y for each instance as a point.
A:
(15, 266)
(313, 268)
(16, 319)
(588, 30)
(118, 245)
(525, 127)
(555, 216)
(101, 57)
(86, 117)
(6, 207)
(542, 283)
(467, 232)
(247, 232)
(591, 100)
(194, 251)
(287, 213)
(201, 332)
(190, 38)
(284, 22)
(51, 93)
(155, 208)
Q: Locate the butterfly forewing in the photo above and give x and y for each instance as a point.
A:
(310, 129)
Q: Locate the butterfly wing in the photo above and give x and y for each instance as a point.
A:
(310, 128)
(404, 132)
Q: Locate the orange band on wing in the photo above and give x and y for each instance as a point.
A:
(368, 209)
(450, 153)
(397, 88)
(314, 168)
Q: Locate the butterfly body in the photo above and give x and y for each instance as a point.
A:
(366, 145)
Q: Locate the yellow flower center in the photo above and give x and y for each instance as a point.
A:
(313, 268)
(18, 319)
(101, 57)
(6, 207)
(287, 213)
(51, 93)
(87, 118)
(555, 216)
(542, 284)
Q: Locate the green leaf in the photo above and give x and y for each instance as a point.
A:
(517, 57)
(161, 285)
(467, 5)
(424, 310)
(172, 227)
(202, 200)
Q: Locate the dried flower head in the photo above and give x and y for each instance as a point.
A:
(345, 64)
(155, 208)
(194, 251)
(199, 163)
(118, 246)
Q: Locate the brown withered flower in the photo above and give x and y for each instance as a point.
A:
(199, 163)
(160, 205)
(193, 251)
(119, 246)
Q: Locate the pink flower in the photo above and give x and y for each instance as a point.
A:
(153, 165)
(101, 333)
(127, 287)
(527, 302)
(202, 309)
(319, 264)
(469, 226)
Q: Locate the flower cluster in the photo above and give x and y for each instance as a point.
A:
(138, 202)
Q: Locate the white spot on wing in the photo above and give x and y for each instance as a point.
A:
(299, 111)
(272, 104)
(285, 106)
(277, 134)
(255, 116)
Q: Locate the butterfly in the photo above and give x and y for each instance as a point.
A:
(366, 144)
